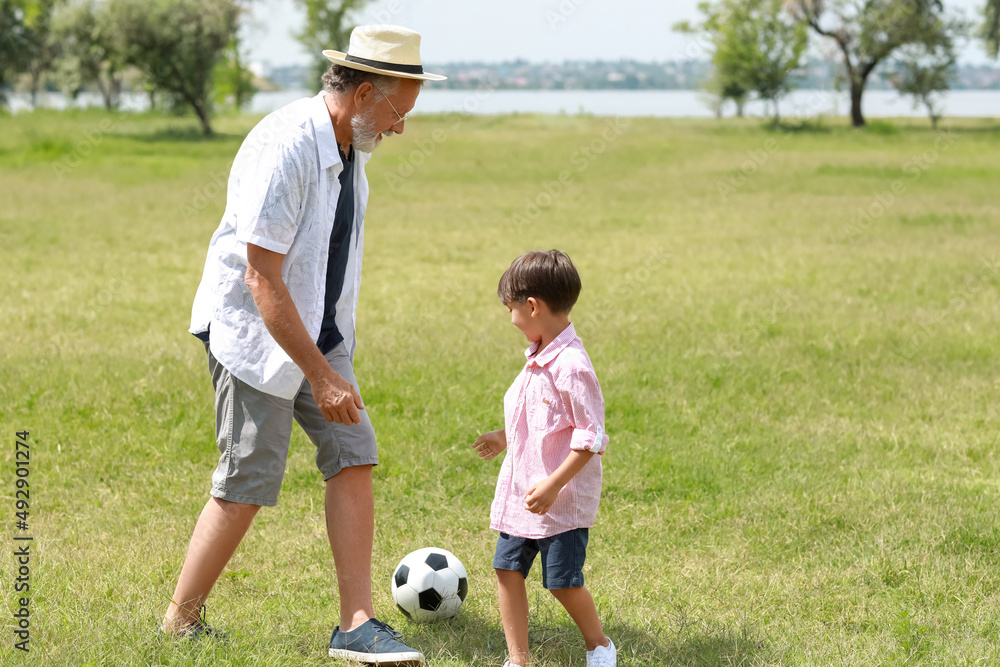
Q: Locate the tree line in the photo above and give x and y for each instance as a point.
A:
(186, 54)
(756, 45)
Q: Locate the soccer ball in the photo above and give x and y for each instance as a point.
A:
(429, 584)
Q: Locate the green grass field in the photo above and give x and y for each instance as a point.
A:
(795, 331)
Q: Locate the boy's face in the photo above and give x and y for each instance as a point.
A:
(527, 317)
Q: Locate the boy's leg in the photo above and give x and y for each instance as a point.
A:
(512, 563)
(350, 527)
(514, 614)
(580, 606)
(563, 556)
(220, 528)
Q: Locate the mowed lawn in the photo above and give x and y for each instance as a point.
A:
(795, 332)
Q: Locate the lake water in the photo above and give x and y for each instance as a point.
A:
(656, 103)
(675, 103)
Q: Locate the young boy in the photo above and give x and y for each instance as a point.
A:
(550, 481)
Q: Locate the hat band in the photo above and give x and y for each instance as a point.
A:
(381, 64)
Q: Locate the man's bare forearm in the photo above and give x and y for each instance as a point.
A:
(280, 316)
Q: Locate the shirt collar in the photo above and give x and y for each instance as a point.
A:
(326, 139)
(552, 350)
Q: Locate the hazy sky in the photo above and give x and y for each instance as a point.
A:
(535, 30)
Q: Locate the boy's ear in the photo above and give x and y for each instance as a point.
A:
(537, 306)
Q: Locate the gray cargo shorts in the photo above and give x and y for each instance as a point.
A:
(253, 429)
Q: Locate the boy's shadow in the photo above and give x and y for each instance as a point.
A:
(692, 647)
(479, 641)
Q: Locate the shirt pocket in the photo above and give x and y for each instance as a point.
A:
(544, 409)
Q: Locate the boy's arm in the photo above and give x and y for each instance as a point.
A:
(542, 495)
(581, 393)
(490, 444)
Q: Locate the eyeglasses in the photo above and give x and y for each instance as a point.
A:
(401, 118)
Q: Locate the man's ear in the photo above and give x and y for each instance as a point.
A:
(363, 93)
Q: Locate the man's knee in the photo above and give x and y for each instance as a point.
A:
(352, 473)
(236, 510)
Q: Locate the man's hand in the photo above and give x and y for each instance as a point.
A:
(490, 444)
(337, 398)
(542, 496)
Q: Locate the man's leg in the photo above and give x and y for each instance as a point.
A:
(220, 528)
(252, 433)
(345, 455)
(350, 526)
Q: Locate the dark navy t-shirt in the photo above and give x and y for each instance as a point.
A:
(340, 246)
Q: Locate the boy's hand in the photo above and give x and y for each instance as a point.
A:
(490, 444)
(541, 496)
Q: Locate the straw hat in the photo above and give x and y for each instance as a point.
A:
(384, 49)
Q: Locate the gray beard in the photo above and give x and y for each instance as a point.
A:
(365, 134)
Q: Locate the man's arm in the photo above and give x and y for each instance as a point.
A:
(336, 397)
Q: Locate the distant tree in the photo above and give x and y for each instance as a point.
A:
(867, 32)
(716, 93)
(720, 87)
(233, 81)
(38, 51)
(327, 26)
(177, 44)
(991, 28)
(91, 51)
(12, 40)
(923, 74)
(755, 46)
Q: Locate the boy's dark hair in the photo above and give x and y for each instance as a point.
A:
(548, 275)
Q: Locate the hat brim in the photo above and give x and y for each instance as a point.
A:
(341, 59)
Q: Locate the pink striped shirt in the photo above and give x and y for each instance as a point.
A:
(555, 405)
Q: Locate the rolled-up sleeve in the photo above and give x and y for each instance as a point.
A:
(581, 394)
(271, 218)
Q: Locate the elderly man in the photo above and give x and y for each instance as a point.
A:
(276, 311)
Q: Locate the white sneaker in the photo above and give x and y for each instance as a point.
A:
(603, 656)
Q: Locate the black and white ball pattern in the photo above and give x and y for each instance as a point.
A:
(429, 584)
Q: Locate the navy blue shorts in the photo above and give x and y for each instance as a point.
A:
(562, 557)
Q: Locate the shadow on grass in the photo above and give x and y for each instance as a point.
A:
(797, 126)
(179, 134)
(473, 640)
(693, 646)
(881, 127)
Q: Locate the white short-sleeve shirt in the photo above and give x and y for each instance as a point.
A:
(282, 196)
